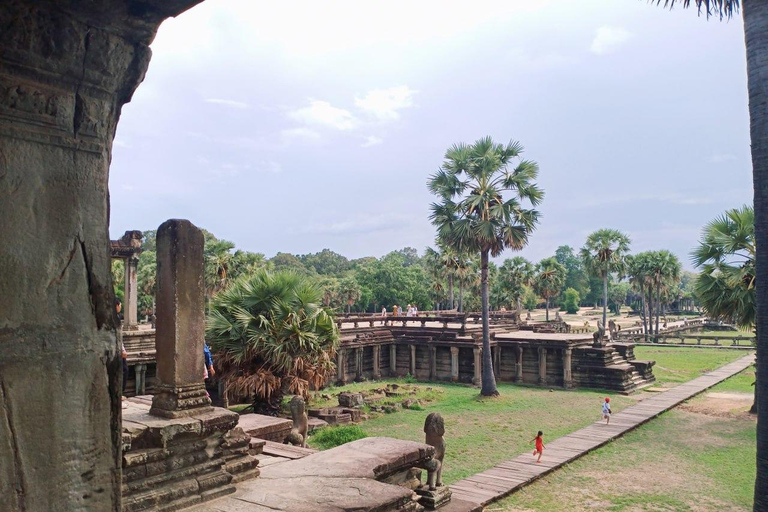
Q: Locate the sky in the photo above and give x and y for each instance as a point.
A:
(303, 125)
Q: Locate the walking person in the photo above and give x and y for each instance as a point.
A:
(607, 410)
(539, 440)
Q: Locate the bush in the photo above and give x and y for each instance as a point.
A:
(330, 437)
(571, 302)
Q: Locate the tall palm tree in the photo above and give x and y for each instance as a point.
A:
(755, 13)
(443, 264)
(515, 274)
(640, 277)
(665, 270)
(603, 254)
(271, 336)
(465, 274)
(349, 291)
(549, 280)
(473, 215)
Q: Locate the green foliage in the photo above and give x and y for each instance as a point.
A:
(617, 295)
(726, 256)
(575, 275)
(270, 334)
(530, 300)
(549, 279)
(326, 262)
(118, 279)
(571, 302)
(331, 437)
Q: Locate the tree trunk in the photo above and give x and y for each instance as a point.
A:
(650, 309)
(547, 303)
(450, 291)
(756, 35)
(605, 299)
(461, 296)
(488, 378)
(658, 306)
(642, 312)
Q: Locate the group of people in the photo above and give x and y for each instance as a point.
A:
(411, 310)
(539, 439)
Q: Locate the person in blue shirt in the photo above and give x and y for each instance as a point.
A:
(209, 370)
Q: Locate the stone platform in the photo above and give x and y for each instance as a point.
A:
(174, 463)
(265, 427)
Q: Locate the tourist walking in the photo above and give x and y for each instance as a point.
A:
(409, 311)
(383, 311)
(395, 310)
(607, 410)
(539, 440)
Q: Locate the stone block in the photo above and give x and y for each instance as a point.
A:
(433, 499)
(351, 400)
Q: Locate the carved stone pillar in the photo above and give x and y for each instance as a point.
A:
(454, 364)
(359, 363)
(131, 316)
(542, 366)
(497, 361)
(413, 360)
(180, 321)
(432, 362)
(376, 361)
(567, 368)
(341, 361)
(518, 363)
(66, 69)
(478, 366)
(393, 360)
(140, 369)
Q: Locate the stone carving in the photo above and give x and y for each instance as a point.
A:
(612, 329)
(528, 316)
(558, 318)
(298, 435)
(599, 335)
(434, 428)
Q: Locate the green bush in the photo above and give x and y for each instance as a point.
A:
(571, 302)
(330, 437)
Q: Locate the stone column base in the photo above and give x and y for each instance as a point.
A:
(180, 402)
(432, 500)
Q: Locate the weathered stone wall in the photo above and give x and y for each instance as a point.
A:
(66, 69)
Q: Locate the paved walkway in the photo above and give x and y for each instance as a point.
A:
(506, 478)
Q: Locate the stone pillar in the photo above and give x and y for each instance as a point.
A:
(341, 371)
(519, 363)
(140, 369)
(454, 364)
(567, 368)
(478, 366)
(497, 362)
(180, 330)
(376, 361)
(542, 366)
(432, 362)
(413, 360)
(65, 72)
(393, 360)
(131, 306)
(359, 363)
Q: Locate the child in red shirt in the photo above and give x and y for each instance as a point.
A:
(539, 445)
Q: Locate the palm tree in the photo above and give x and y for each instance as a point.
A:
(474, 216)
(349, 291)
(549, 279)
(443, 264)
(271, 336)
(639, 277)
(665, 271)
(465, 275)
(603, 254)
(755, 15)
(514, 275)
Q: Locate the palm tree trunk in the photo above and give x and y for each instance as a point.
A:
(488, 379)
(658, 306)
(605, 298)
(642, 312)
(756, 34)
(547, 303)
(450, 291)
(461, 296)
(650, 308)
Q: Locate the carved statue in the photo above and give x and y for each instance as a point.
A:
(528, 316)
(434, 428)
(558, 317)
(298, 435)
(599, 335)
(612, 329)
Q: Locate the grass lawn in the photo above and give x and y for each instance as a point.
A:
(482, 432)
(678, 365)
(661, 466)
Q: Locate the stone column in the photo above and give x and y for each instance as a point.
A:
(567, 370)
(359, 363)
(542, 366)
(519, 363)
(413, 360)
(376, 361)
(432, 362)
(478, 366)
(341, 371)
(180, 313)
(66, 70)
(497, 361)
(393, 360)
(131, 306)
(454, 364)
(140, 369)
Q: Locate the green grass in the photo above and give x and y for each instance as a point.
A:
(330, 437)
(739, 383)
(657, 467)
(678, 365)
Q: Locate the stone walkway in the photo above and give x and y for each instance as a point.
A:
(500, 481)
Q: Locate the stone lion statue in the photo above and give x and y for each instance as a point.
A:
(298, 435)
(434, 428)
(599, 334)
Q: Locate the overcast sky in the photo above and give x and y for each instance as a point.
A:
(296, 126)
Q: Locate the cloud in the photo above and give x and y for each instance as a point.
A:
(323, 113)
(371, 140)
(120, 143)
(722, 158)
(228, 103)
(385, 104)
(269, 167)
(360, 224)
(609, 39)
(300, 134)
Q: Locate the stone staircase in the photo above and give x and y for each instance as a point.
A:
(612, 367)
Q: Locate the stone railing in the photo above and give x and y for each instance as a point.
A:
(735, 341)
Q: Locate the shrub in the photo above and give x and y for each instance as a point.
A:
(571, 301)
(330, 437)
